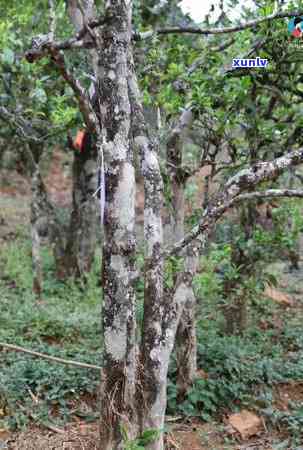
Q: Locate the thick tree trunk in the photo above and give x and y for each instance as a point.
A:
(119, 318)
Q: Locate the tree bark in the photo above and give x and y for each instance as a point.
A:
(44, 224)
(36, 260)
(161, 311)
(186, 342)
(157, 338)
(82, 234)
(186, 339)
(119, 319)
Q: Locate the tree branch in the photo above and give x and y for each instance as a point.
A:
(84, 101)
(22, 128)
(258, 44)
(270, 193)
(201, 61)
(207, 31)
(67, 362)
(45, 48)
(242, 181)
(76, 41)
(29, 131)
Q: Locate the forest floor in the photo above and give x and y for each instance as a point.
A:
(53, 407)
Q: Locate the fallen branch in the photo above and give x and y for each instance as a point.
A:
(41, 422)
(48, 357)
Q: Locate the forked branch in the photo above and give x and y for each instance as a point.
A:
(234, 190)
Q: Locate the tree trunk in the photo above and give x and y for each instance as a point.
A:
(44, 224)
(161, 312)
(82, 235)
(186, 343)
(237, 309)
(235, 314)
(157, 337)
(36, 261)
(119, 318)
(76, 256)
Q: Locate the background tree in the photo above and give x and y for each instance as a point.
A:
(41, 118)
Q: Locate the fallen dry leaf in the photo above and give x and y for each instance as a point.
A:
(278, 296)
(246, 423)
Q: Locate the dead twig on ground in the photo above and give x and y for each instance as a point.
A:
(48, 357)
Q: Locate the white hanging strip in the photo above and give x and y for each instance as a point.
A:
(100, 192)
(102, 186)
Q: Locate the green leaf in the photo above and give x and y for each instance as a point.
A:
(8, 56)
(148, 436)
(281, 446)
(124, 433)
(40, 95)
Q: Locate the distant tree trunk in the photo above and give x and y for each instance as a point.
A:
(236, 314)
(186, 343)
(186, 339)
(82, 233)
(36, 259)
(44, 224)
(73, 251)
(236, 310)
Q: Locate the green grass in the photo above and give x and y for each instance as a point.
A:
(67, 323)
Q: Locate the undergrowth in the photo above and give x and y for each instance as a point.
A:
(65, 323)
(240, 371)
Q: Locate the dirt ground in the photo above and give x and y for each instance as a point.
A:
(193, 435)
